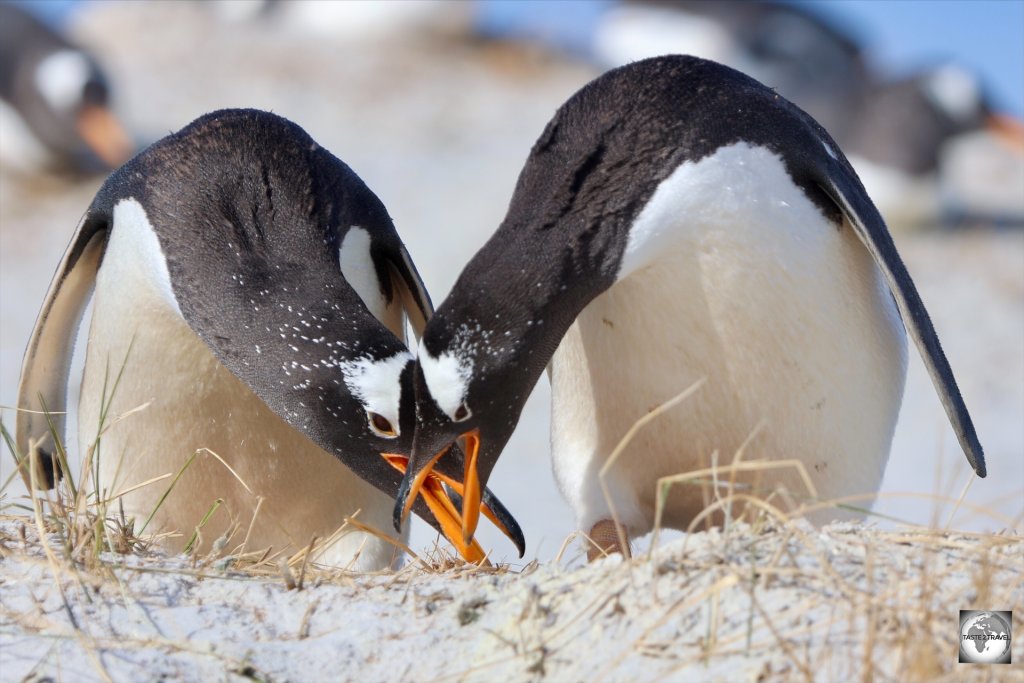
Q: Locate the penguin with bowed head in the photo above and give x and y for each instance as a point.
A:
(250, 303)
(679, 225)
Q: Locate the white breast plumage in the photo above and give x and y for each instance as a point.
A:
(193, 402)
(733, 275)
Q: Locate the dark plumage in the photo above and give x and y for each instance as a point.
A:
(673, 170)
(233, 231)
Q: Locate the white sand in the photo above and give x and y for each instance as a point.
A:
(841, 604)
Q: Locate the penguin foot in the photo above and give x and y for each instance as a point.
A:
(604, 540)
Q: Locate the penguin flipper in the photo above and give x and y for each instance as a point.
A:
(848, 193)
(44, 371)
(406, 281)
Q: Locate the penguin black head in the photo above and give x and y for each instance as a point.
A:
(477, 393)
(288, 267)
(61, 94)
(580, 220)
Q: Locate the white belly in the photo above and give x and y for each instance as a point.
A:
(194, 403)
(791, 325)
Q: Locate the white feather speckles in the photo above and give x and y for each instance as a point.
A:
(447, 378)
(377, 383)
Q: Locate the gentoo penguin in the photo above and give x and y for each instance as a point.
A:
(677, 222)
(355, 20)
(932, 147)
(54, 101)
(800, 51)
(250, 296)
(797, 49)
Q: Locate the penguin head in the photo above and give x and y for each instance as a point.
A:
(471, 383)
(76, 112)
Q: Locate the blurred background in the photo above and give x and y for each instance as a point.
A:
(436, 104)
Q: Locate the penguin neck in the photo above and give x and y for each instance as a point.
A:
(518, 296)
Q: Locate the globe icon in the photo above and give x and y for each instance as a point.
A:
(984, 637)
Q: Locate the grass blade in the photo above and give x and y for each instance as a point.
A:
(166, 493)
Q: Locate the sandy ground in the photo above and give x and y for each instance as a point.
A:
(439, 130)
(784, 603)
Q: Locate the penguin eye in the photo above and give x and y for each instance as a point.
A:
(462, 413)
(381, 425)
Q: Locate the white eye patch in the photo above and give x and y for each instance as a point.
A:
(61, 78)
(377, 384)
(447, 378)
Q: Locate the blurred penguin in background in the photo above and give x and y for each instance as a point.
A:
(350, 20)
(55, 112)
(930, 146)
(802, 55)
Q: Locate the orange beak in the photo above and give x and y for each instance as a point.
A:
(104, 135)
(454, 526)
(1008, 129)
(471, 486)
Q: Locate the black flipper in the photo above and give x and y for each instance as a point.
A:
(44, 371)
(848, 193)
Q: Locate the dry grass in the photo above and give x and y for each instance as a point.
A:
(765, 596)
(776, 597)
(88, 530)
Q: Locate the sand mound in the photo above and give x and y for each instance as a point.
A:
(787, 602)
